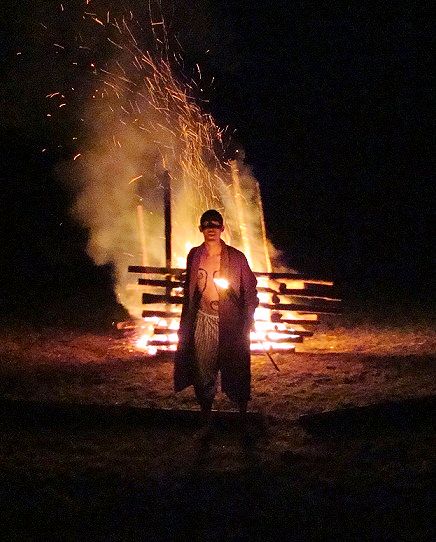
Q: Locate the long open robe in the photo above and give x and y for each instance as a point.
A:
(236, 310)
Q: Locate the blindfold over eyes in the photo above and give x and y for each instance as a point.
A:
(208, 224)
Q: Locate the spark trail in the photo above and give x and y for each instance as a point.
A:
(137, 121)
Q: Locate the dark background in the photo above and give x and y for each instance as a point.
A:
(331, 102)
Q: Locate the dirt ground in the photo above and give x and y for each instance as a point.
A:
(96, 446)
(338, 367)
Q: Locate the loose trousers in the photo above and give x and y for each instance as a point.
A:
(206, 357)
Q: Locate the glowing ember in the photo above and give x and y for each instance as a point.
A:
(142, 342)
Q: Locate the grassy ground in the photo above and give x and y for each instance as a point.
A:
(96, 446)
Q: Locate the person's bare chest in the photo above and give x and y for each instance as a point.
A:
(208, 270)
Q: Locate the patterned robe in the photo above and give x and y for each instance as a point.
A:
(236, 309)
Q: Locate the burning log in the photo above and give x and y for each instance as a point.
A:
(175, 272)
(163, 283)
(148, 299)
(318, 309)
(279, 320)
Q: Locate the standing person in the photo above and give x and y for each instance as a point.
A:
(214, 334)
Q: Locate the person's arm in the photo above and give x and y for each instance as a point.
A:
(249, 292)
(185, 306)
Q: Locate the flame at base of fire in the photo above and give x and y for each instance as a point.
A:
(161, 336)
(280, 320)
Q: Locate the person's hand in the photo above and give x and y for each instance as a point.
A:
(249, 327)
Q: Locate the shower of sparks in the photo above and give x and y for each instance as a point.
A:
(141, 81)
(139, 133)
(140, 121)
(135, 179)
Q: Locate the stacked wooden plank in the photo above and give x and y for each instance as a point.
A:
(289, 308)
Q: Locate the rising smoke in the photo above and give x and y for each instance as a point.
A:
(138, 122)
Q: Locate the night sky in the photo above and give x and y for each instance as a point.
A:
(331, 103)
